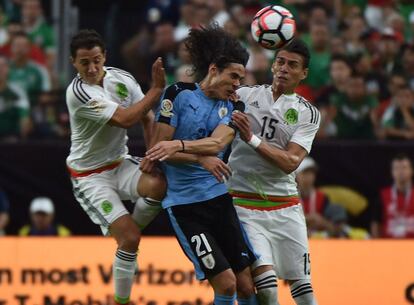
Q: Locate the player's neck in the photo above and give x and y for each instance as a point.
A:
(207, 89)
(277, 93)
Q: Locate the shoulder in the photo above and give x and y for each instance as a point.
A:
(176, 89)
(245, 90)
(310, 113)
(122, 74)
(78, 91)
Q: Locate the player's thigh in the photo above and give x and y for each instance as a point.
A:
(290, 246)
(232, 238)
(255, 226)
(127, 177)
(132, 183)
(197, 241)
(97, 195)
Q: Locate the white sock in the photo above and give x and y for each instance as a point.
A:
(123, 271)
(266, 286)
(145, 211)
(302, 293)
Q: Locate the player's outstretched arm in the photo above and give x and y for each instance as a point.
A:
(212, 145)
(164, 133)
(126, 117)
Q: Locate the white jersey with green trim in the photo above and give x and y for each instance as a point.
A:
(94, 143)
(288, 119)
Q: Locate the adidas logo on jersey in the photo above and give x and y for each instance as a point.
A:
(255, 104)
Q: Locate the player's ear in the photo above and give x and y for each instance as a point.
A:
(212, 68)
(305, 74)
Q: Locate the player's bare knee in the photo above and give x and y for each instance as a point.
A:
(224, 283)
(245, 286)
(130, 241)
(228, 287)
(152, 185)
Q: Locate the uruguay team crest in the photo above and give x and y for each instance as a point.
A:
(121, 90)
(166, 108)
(291, 116)
(208, 261)
(222, 112)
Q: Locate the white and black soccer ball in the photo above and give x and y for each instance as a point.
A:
(273, 27)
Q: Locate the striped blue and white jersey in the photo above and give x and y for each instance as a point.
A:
(288, 119)
(94, 143)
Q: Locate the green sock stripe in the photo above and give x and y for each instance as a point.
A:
(121, 300)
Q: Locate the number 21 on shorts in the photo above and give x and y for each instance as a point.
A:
(201, 240)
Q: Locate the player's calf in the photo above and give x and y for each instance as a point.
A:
(266, 286)
(245, 288)
(302, 292)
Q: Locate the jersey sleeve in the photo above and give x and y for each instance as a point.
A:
(227, 117)
(136, 93)
(307, 128)
(243, 93)
(169, 109)
(88, 103)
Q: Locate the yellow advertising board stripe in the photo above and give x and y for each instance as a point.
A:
(77, 271)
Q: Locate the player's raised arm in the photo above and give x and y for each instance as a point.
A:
(126, 117)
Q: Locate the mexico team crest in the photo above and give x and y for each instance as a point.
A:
(209, 261)
(121, 90)
(291, 116)
(107, 207)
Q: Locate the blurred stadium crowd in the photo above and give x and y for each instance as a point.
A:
(361, 74)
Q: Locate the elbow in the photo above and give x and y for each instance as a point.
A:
(218, 146)
(291, 165)
(288, 170)
(123, 123)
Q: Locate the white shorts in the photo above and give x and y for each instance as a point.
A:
(101, 195)
(279, 238)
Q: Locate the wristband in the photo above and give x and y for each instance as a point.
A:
(254, 141)
(182, 146)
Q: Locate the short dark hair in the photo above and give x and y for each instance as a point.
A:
(297, 46)
(400, 157)
(212, 45)
(86, 39)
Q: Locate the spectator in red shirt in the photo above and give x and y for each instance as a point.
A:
(396, 219)
(36, 53)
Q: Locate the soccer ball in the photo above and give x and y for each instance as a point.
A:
(273, 27)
